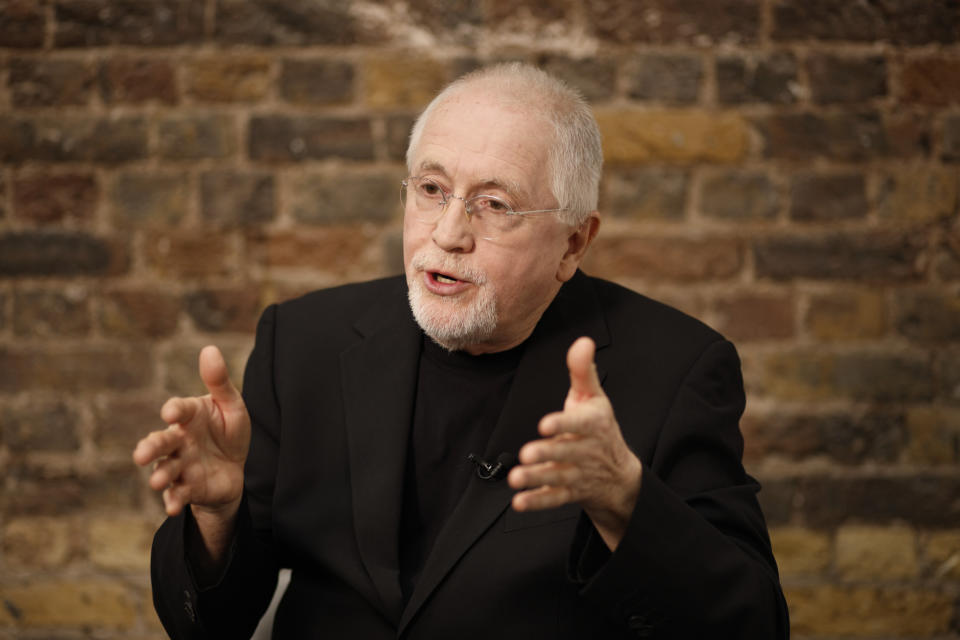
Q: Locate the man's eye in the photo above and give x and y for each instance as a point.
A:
(430, 189)
(490, 204)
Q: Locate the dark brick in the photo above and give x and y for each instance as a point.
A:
(344, 197)
(136, 81)
(923, 499)
(645, 194)
(721, 21)
(73, 139)
(317, 81)
(36, 491)
(190, 255)
(50, 83)
(594, 77)
(48, 426)
(237, 199)
(222, 310)
(899, 21)
(49, 312)
(93, 23)
(72, 369)
(447, 19)
(52, 198)
(927, 314)
(865, 256)
(665, 258)
(139, 314)
(285, 22)
(930, 81)
(121, 421)
(290, 138)
(754, 316)
(3, 196)
(949, 361)
(32, 253)
(907, 135)
(22, 24)
(950, 147)
(149, 199)
(805, 136)
(3, 310)
(193, 137)
(824, 197)
(843, 438)
(664, 77)
(739, 195)
(846, 79)
(507, 13)
(867, 375)
(769, 78)
(398, 136)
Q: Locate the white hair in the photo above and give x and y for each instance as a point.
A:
(575, 155)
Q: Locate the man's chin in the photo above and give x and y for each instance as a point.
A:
(452, 323)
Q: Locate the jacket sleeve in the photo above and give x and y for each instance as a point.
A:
(695, 560)
(232, 607)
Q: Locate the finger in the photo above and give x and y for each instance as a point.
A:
(584, 382)
(543, 474)
(157, 445)
(165, 473)
(541, 498)
(213, 372)
(563, 448)
(580, 418)
(180, 410)
(175, 498)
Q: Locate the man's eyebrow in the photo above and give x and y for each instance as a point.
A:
(510, 187)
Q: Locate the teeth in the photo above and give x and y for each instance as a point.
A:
(445, 279)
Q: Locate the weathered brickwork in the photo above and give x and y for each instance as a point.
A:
(786, 170)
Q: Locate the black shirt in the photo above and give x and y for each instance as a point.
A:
(459, 399)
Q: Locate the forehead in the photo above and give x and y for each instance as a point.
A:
(474, 135)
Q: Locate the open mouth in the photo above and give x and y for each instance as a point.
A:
(443, 278)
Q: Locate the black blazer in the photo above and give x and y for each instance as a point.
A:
(330, 388)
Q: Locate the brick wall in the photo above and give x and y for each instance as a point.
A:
(787, 170)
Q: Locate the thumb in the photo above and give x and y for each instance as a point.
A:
(213, 372)
(584, 382)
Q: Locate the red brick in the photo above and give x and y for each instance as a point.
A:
(39, 426)
(677, 259)
(950, 147)
(139, 314)
(899, 21)
(93, 23)
(78, 368)
(138, 80)
(837, 136)
(754, 316)
(291, 138)
(222, 310)
(53, 198)
(51, 312)
(930, 81)
(31, 253)
(826, 197)
(50, 82)
(188, 255)
(22, 23)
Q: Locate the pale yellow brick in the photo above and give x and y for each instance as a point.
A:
(884, 553)
(921, 193)
(38, 542)
(800, 552)
(846, 315)
(678, 137)
(401, 81)
(229, 78)
(942, 551)
(121, 542)
(71, 604)
(831, 610)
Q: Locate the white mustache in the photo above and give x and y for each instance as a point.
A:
(446, 263)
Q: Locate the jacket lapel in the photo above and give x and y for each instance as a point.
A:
(539, 386)
(379, 383)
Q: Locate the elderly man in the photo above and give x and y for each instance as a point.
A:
(496, 446)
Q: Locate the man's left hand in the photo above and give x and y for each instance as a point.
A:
(582, 456)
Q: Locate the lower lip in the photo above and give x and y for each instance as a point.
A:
(444, 288)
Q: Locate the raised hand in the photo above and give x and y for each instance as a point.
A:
(199, 457)
(582, 457)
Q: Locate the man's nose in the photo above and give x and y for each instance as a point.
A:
(452, 231)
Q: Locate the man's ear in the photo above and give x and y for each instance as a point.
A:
(577, 243)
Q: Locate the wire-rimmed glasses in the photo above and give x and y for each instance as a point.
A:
(490, 217)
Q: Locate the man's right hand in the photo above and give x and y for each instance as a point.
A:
(199, 457)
